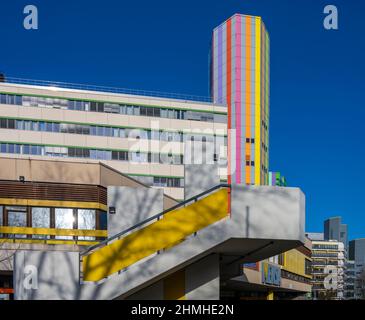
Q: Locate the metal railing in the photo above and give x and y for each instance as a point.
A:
(88, 87)
(155, 217)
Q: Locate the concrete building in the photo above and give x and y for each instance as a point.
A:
(357, 254)
(334, 229)
(56, 220)
(108, 194)
(328, 269)
(350, 280)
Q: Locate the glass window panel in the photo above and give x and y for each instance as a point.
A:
(3, 123)
(108, 132)
(56, 127)
(19, 124)
(115, 132)
(49, 126)
(17, 219)
(26, 149)
(41, 219)
(1, 216)
(42, 126)
(103, 221)
(64, 219)
(86, 221)
(11, 124)
(11, 148)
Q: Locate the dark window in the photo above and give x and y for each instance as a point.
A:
(247, 140)
(86, 153)
(11, 124)
(157, 112)
(71, 152)
(93, 106)
(115, 155)
(100, 107)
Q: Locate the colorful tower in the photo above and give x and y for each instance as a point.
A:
(240, 79)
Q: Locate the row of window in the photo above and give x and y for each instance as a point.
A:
(319, 254)
(160, 181)
(57, 127)
(325, 246)
(58, 218)
(71, 152)
(30, 101)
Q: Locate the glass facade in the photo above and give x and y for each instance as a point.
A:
(52, 218)
(104, 131)
(107, 107)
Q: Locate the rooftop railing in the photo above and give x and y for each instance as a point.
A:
(77, 86)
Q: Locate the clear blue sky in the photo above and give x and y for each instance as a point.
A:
(317, 76)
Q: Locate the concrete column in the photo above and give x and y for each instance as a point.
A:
(132, 205)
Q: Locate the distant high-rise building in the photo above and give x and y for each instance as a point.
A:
(334, 229)
(357, 253)
(240, 79)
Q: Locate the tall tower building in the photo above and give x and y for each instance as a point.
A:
(334, 229)
(239, 78)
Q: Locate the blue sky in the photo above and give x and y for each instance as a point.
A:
(317, 76)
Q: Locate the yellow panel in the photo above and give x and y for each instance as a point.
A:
(54, 232)
(270, 295)
(174, 286)
(258, 102)
(294, 262)
(53, 203)
(60, 242)
(174, 227)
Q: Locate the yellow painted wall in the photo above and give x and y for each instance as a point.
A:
(173, 228)
(294, 262)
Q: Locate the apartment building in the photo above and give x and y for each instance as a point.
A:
(141, 136)
(328, 269)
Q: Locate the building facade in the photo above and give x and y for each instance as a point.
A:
(140, 136)
(285, 276)
(240, 79)
(334, 229)
(328, 270)
(105, 191)
(357, 254)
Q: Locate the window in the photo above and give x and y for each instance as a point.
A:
(64, 219)
(86, 221)
(40, 219)
(17, 217)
